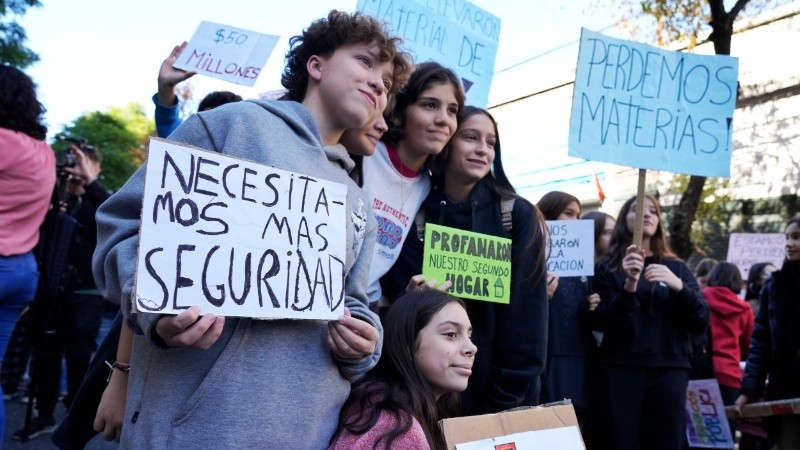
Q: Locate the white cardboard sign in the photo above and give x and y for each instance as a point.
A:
(238, 238)
(571, 247)
(562, 438)
(746, 249)
(228, 53)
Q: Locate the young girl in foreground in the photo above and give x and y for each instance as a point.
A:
(427, 359)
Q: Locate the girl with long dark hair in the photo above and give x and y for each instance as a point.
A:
(470, 189)
(420, 123)
(427, 359)
(651, 305)
(570, 344)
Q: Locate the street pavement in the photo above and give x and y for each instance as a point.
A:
(15, 419)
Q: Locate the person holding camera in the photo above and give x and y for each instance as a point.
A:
(73, 327)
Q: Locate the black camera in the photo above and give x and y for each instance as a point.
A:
(65, 158)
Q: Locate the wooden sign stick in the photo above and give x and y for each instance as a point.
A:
(637, 229)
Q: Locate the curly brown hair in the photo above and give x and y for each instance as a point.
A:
(19, 108)
(326, 35)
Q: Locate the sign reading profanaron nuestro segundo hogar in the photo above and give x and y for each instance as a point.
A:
(478, 265)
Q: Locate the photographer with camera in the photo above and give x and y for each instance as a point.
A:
(71, 326)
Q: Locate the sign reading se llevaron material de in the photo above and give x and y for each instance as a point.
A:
(571, 247)
(238, 238)
(456, 34)
(228, 53)
(641, 106)
(478, 265)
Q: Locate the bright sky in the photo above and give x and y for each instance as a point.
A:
(99, 53)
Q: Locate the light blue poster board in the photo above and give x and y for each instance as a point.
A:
(641, 106)
(454, 33)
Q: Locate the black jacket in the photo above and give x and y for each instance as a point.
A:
(83, 208)
(649, 328)
(511, 339)
(775, 345)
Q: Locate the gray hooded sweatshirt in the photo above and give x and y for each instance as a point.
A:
(264, 384)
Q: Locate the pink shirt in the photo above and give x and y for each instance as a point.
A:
(27, 178)
(413, 439)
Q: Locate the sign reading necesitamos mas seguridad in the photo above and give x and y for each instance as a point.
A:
(478, 265)
(640, 106)
(238, 238)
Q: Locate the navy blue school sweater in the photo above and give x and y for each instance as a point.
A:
(651, 327)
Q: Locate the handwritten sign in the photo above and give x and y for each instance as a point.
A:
(746, 249)
(706, 424)
(478, 265)
(571, 247)
(238, 238)
(640, 106)
(562, 438)
(456, 34)
(228, 53)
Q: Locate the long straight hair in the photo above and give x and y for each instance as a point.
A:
(554, 203)
(497, 181)
(599, 219)
(397, 385)
(424, 76)
(622, 237)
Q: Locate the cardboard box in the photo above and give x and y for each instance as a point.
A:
(764, 409)
(473, 428)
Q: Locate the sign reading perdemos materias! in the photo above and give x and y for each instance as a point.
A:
(571, 248)
(457, 34)
(640, 106)
(228, 53)
(478, 265)
(238, 238)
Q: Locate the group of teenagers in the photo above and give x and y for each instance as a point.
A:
(405, 354)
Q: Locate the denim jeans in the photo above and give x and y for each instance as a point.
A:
(18, 278)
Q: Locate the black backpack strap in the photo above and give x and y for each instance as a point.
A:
(419, 221)
(506, 211)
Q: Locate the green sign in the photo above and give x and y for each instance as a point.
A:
(478, 265)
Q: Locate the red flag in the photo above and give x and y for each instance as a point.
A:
(600, 194)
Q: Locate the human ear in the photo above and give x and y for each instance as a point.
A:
(314, 67)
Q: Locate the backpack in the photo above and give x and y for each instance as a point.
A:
(506, 210)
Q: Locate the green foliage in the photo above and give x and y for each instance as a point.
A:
(119, 135)
(12, 36)
(678, 20)
(713, 216)
(134, 119)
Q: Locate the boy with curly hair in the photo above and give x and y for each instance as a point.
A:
(197, 380)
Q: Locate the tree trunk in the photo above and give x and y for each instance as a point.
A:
(681, 226)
